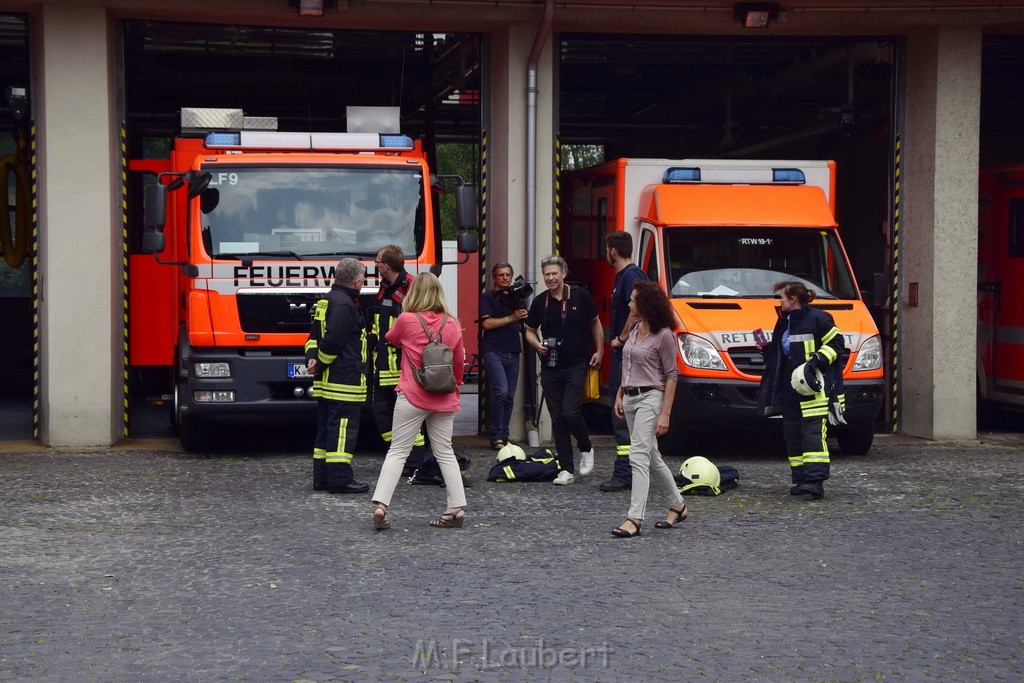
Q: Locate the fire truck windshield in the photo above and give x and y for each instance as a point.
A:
(312, 211)
(747, 261)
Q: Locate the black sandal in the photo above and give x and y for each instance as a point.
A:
(680, 516)
(620, 532)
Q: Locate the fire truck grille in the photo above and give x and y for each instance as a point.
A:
(748, 359)
(266, 313)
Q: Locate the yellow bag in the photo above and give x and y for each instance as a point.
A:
(592, 385)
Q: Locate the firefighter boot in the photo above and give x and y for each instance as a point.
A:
(814, 488)
(622, 476)
(319, 474)
(798, 478)
(340, 479)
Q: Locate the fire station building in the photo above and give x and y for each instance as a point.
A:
(911, 97)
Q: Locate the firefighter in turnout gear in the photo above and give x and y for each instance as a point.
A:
(394, 285)
(336, 358)
(805, 338)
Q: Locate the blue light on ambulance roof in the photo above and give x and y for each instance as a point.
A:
(788, 175)
(682, 174)
(223, 139)
(396, 142)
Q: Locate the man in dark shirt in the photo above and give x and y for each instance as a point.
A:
(563, 327)
(619, 251)
(500, 348)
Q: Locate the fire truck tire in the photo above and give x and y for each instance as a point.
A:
(856, 441)
(196, 434)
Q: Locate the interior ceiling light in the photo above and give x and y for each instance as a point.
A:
(756, 15)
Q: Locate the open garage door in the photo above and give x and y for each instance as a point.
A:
(306, 80)
(681, 97)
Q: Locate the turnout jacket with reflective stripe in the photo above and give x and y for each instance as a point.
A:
(337, 340)
(388, 359)
(811, 331)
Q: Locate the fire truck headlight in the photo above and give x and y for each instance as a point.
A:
(211, 370)
(214, 396)
(869, 357)
(699, 353)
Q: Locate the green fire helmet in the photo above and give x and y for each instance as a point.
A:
(701, 472)
(511, 451)
(799, 382)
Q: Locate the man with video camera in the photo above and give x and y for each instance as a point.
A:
(563, 327)
(501, 309)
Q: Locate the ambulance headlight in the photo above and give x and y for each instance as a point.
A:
(869, 357)
(206, 370)
(699, 353)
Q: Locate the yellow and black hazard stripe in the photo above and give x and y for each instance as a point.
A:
(124, 280)
(894, 377)
(36, 413)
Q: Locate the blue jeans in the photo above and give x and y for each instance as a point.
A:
(502, 377)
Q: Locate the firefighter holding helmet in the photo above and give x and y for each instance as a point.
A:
(803, 379)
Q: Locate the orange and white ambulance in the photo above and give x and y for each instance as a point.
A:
(717, 234)
(1001, 286)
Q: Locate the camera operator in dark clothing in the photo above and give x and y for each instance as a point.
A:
(569, 329)
(501, 309)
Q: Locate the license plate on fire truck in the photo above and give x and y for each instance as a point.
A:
(297, 370)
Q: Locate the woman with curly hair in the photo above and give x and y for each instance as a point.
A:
(644, 399)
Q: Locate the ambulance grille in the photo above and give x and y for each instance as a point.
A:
(268, 313)
(748, 359)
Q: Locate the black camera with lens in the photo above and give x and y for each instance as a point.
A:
(552, 344)
(516, 295)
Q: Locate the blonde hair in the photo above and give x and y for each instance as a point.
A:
(425, 294)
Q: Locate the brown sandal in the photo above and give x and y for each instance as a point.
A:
(380, 517)
(668, 523)
(449, 519)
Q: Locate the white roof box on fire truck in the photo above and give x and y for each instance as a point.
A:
(231, 129)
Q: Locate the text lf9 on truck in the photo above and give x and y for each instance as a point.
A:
(717, 234)
(247, 227)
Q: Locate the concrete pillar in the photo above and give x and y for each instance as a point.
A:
(80, 247)
(939, 244)
(507, 167)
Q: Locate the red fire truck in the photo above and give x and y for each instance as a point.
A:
(245, 227)
(1001, 286)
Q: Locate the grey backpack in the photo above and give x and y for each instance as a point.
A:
(437, 373)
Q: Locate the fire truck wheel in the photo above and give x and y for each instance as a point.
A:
(196, 434)
(856, 441)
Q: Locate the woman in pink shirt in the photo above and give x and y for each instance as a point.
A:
(415, 404)
(648, 385)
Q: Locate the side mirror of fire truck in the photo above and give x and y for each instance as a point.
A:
(466, 219)
(155, 217)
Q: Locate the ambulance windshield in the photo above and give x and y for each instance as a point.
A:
(744, 262)
(314, 211)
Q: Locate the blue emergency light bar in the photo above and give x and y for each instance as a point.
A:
(692, 174)
(349, 142)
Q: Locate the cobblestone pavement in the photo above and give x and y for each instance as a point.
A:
(148, 565)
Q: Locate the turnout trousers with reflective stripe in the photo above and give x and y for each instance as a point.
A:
(337, 431)
(803, 425)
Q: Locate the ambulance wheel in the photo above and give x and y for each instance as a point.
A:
(196, 434)
(856, 441)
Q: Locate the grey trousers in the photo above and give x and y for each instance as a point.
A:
(644, 457)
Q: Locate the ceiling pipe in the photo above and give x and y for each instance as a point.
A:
(531, 140)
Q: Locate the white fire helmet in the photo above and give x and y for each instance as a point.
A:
(511, 451)
(799, 382)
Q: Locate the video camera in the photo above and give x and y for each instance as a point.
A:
(516, 295)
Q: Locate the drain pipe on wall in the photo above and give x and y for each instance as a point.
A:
(532, 435)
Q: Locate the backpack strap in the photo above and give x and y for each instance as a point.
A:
(426, 330)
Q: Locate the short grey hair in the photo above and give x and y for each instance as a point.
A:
(553, 260)
(348, 270)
